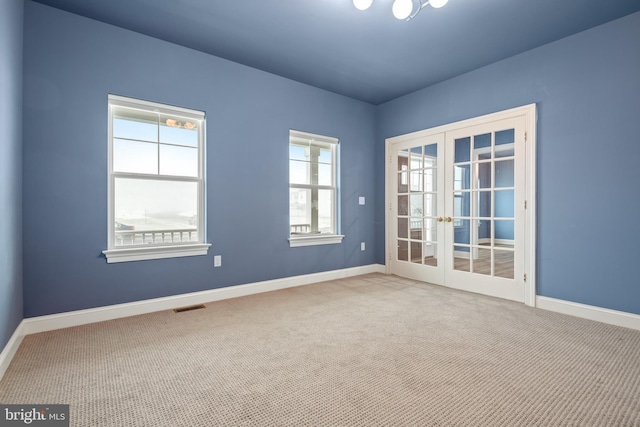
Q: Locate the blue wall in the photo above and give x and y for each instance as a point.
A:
(71, 64)
(11, 27)
(587, 90)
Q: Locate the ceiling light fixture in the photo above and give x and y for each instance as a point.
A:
(362, 4)
(403, 9)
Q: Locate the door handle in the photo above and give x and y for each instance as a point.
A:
(448, 219)
(440, 219)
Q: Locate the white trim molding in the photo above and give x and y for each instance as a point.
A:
(590, 312)
(331, 239)
(155, 252)
(10, 350)
(82, 317)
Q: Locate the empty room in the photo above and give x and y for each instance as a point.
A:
(319, 213)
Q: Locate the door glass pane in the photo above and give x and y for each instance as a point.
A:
(462, 177)
(484, 231)
(506, 136)
(482, 261)
(429, 254)
(403, 228)
(430, 230)
(415, 181)
(416, 158)
(484, 175)
(504, 173)
(461, 261)
(415, 225)
(503, 263)
(483, 207)
(462, 232)
(430, 156)
(403, 182)
(504, 233)
(403, 250)
(134, 156)
(462, 150)
(430, 208)
(504, 204)
(403, 205)
(430, 183)
(461, 204)
(416, 252)
(416, 204)
(482, 141)
(403, 160)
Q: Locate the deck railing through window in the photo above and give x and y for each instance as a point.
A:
(133, 238)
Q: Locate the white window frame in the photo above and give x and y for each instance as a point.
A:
(326, 238)
(115, 253)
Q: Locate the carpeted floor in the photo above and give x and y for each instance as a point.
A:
(364, 351)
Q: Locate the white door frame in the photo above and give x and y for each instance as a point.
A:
(529, 113)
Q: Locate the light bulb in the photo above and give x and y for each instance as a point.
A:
(362, 4)
(402, 8)
(437, 3)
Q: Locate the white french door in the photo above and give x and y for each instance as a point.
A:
(457, 206)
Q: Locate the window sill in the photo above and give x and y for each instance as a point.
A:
(330, 239)
(155, 252)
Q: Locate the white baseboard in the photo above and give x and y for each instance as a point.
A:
(82, 317)
(11, 348)
(604, 315)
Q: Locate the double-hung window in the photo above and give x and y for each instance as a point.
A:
(313, 189)
(156, 181)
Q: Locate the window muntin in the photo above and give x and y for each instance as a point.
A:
(156, 184)
(312, 186)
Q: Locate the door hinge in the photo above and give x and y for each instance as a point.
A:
(525, 136)
(390, 206)
(525, 204)
(390, 159)
(525, 277)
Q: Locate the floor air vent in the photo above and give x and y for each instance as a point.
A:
(191, 307)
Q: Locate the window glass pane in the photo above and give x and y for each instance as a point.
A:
(135, 124)
(143, 205)
(325, 155)
(178, 161)
(135, 156)
(300, 210)
(179, 131)
(299, 172)
(325, 211)
(324, 175)
(298, 151)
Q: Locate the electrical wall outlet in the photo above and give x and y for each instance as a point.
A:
(361, 200)
(217, 261)
(362, 246)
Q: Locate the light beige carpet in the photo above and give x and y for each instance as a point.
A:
(365, 351)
